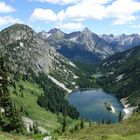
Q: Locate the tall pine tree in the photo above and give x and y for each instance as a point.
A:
(120, 117)
(64, 124)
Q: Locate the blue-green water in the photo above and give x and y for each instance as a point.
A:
(90, 104)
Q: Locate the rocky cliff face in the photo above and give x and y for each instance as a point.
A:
(94, 43)
(23, 49)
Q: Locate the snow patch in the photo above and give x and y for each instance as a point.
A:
(45, 35)
(59, 84)
(76, 87)
(111, 73)
(73, 39)
(48, 35)
(71, 64)
(73, 83)
(104, 63)
(21, 44)
(2, 110)
(118, 78)
(75, 76)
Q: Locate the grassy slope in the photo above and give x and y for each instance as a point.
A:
(29, 102)
(127, 130)
(44, 118)
(7, 136)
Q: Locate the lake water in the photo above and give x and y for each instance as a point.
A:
(91, 104)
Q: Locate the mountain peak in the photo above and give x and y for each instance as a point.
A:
(17, 32)
(87, 30)
(55, 30)
(19, 27)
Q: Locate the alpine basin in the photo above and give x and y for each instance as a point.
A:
(91, 104)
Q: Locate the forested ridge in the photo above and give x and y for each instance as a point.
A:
(122, 75)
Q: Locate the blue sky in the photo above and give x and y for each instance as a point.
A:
(100, 16)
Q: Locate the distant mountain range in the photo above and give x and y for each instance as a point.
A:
(122, 42)
(87, 46)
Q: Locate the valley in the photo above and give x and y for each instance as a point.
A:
(47, 75)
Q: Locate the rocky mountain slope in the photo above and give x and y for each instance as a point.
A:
(24, 50)
(39, 77)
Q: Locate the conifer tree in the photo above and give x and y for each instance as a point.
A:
(82, 124)
(103, 121)
(90, 124)
(16, 120)
(120, 116)
(35, 128)
(109, 121)
(64, 124)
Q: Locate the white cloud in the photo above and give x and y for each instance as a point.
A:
(4, 8)
(70, 26)
(123, 11)
(86, 9)
(120, 11)
(43, 15)
(5, 20)
(60, 2)
(122, 19)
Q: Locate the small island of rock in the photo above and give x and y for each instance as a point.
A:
(109, 107)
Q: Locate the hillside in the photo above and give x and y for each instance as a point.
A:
(40, 77)
(7, 136)
(25, 51)
(126, 130)
(27, 58)
(122, 74)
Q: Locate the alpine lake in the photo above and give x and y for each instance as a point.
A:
(91, 104)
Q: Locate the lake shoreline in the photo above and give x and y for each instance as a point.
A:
(90, 103)
(128, 109)
(85, 89)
